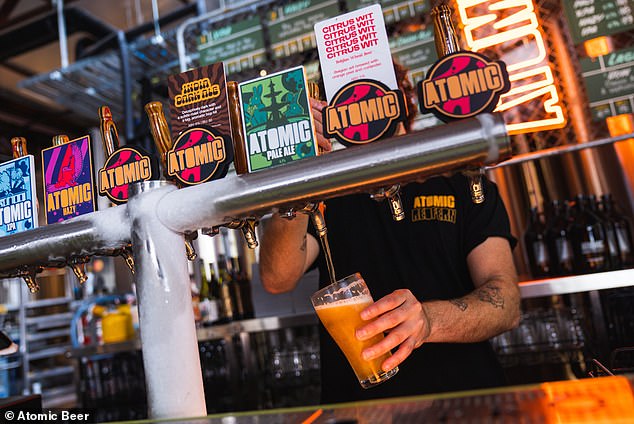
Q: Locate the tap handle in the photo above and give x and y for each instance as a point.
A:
(18, 145)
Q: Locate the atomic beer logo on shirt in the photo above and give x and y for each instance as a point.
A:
(196, 155)
(461, 85)
(363, 111)
(125, 166)
(67, 174)
(18, 207)
(434, 208)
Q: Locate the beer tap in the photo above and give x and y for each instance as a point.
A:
(163, 141)
(78, 265)
(247, 226)
(446, 41)
(29, 274)
(126, 254)
(475, 184)
(393, 196)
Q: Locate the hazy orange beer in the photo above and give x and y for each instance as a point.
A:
(339, 306)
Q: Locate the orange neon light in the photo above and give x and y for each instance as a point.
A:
(599, 46)
(489, 23)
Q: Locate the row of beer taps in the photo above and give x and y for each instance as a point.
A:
(246, 225)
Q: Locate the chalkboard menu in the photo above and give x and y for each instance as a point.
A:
(416, 51)
(609, 82)
(593, 18)
(393, 10)
(240, 45)
(291, 26)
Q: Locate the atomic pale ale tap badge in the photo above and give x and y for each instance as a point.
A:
(277, 119)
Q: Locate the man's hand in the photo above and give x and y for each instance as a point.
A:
(403, 317)
(316, 107)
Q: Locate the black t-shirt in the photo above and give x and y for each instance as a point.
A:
(426, 253)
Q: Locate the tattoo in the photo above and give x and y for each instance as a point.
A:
(303, 246)
(490, 293)
(461, 304)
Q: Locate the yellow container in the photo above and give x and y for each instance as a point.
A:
(116, 325)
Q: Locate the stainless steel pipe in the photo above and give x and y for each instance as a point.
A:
(166, 316)
(476, 141)
(96, 233)
(471, 142)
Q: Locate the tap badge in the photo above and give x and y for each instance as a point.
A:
(18, 207)
(68, 182)
(196, 156)
(363, 111)
(462, 85)
(201, 126)
(125, 166)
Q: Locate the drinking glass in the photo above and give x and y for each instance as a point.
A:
(339, 306)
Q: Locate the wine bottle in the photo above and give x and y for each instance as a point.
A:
(536, 247)
(588, 239)
(622, 231)
(558, 239)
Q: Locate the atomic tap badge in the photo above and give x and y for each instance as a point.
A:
(125, 166)
(363, 111)
(196, 155)
(462, 85)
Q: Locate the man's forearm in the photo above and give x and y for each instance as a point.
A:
(488, 311)
(283, 253)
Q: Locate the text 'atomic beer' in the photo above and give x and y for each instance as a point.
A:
(201, 127)
(124, 166)
(18, 199)
(67, 175)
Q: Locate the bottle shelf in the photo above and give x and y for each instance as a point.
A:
(51, 372)
(64, 332)
(577, 283)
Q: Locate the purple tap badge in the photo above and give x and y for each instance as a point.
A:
(68, 182)
(18, 199)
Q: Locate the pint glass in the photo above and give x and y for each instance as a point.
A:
(339, 306)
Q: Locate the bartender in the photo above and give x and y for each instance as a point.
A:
(443, 280)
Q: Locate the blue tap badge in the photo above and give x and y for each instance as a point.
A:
(18, 199)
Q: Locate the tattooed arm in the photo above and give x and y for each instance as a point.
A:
(286, 252)
(492, 308)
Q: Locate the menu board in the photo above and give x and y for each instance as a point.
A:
(291, 26)
(393, 10)
(609, 83)
(240, 45)
(416, 51)
(593, 18)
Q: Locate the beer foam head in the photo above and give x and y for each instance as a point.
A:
(357, 300)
